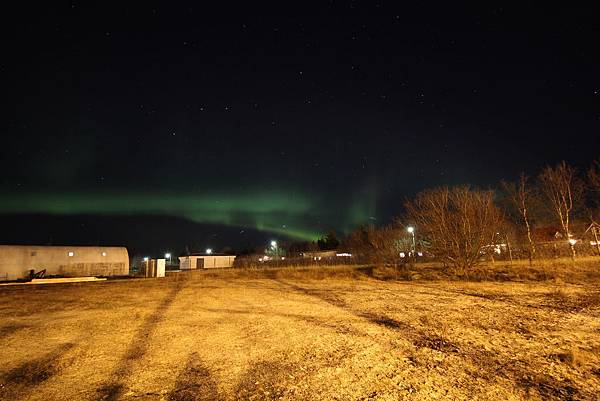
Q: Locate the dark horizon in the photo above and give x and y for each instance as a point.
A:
(142, 235)
(278, 121)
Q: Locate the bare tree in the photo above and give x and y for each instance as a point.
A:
(520, 195)
(594, 175)
(357, 242)
(563, 191)
(379, 246)
(593, 181)
(458, 223)
(594, 185)
(384, 243)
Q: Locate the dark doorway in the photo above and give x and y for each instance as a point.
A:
(200, 263)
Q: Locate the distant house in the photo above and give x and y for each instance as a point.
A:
(205, 261)
(319, 254)
(16, 261)
(547, 234)
(593, 231)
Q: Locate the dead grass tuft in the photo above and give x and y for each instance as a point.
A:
(436, 343)
(262, 381)
(548, 388)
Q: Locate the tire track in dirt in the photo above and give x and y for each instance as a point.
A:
(323, 323)
(115, 386)
(418, 337)
(525, 377)
(554, 301)
(10, 329)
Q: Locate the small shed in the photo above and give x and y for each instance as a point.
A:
(205, 261)
(16, 261)
(153, 268)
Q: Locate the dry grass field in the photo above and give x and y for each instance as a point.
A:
(338, 333)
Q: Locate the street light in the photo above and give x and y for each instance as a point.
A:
(411, 230)
(168, 256)
(274, 248)
(208, 251)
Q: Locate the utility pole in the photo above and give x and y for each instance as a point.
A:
(411, 230)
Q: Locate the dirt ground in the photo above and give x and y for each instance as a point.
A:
(347, 337)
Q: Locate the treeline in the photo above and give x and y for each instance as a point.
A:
(552, 214)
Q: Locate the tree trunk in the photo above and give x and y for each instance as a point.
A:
(509, 250)
(529, 238)
(596, 238)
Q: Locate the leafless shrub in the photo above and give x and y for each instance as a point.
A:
(378, 246)
(458, 223)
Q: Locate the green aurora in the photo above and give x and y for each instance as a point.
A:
(289, 214)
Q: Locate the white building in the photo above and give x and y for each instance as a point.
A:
(205, 261)
(153, 268)
(16, 261)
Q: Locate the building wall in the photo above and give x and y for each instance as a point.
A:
(213, 262)
(210, 261)
(185, 263)
(17, 260)
(160, 267)
(153, 268)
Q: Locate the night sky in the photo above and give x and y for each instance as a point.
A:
(166, 124)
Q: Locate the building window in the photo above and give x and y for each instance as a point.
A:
(33, 253)
(103, 253)
(71, 253)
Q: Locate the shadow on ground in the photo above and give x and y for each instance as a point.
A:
(24, 378)
(195, 383)
(114, 387)
(525, 377)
